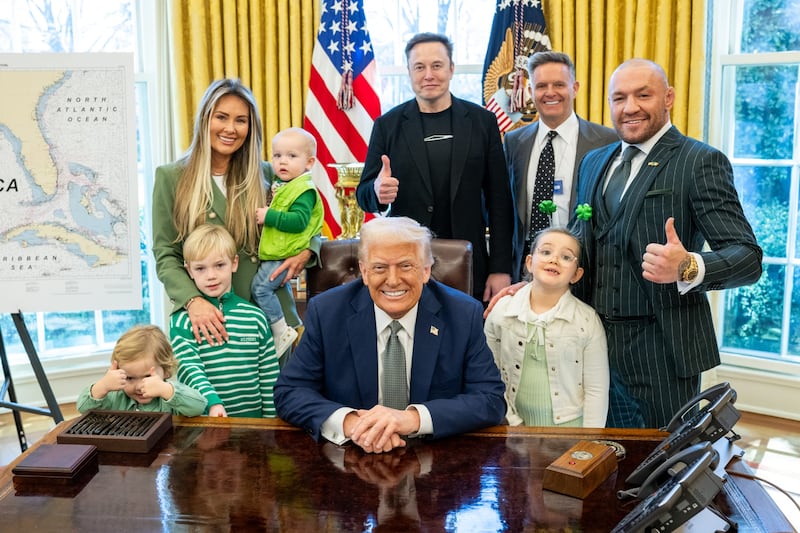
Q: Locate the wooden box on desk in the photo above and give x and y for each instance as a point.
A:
(118, 431)
(581, 469)
(55, 466)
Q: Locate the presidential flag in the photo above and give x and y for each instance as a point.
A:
(342, 102)
(518, 30)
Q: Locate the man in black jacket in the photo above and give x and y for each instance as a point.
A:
(439, 160)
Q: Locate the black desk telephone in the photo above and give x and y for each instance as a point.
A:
(677, 480)
(676, 491)
(694, 424)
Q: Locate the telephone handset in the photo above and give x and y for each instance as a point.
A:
(675, 492)
(693, 424)
(672, 468)
(718, 397)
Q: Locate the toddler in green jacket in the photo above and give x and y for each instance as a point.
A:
(141, 363)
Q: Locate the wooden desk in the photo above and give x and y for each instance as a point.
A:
(222, 474)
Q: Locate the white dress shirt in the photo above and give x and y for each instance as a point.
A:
(333, 428)
(565, 148)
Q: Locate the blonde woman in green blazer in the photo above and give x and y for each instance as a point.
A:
(220, 180)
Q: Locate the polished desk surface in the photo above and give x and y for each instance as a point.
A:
(224, 474)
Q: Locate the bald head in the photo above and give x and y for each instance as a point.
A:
(640, 98)
(642, 64)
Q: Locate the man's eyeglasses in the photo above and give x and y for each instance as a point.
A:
(562, 258)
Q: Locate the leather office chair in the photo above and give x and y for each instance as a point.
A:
(452, 265)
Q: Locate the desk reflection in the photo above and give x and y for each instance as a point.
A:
(283, 481)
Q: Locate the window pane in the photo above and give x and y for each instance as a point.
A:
(794, 326)
(68, 330)
(64, 26)
(764, 193)
(765, 111)
(115, 323)
(752, 318)
(770, 26)
(392, 22)
(11, 340)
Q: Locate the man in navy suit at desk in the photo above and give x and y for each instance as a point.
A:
(392, 355)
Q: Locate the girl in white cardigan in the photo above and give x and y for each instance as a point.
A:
(549, 346)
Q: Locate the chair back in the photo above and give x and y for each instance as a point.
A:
(452, 265)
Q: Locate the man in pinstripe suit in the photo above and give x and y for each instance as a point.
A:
(646, 273)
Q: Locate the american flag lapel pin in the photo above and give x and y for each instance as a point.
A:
(434, 331)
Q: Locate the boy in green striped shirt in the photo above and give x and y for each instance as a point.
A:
(236, 377)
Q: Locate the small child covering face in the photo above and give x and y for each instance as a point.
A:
(141, 363)
(549, 346)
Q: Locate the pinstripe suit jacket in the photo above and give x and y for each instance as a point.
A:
(692, 182)
(518, 145)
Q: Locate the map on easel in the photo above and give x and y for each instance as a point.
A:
(69, 220)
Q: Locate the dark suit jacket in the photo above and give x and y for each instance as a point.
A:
(693, 182)
(518, 145)
(478, 179)
(336, 364)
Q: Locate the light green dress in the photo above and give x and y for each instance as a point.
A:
(533, 401)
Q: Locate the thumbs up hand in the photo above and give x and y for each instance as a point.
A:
(153, 385)
(114, 379)
(385, 184)
(660, 262)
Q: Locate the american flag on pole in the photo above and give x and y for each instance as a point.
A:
(342, 102)
(518, 30)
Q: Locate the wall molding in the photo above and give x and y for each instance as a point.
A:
(764, 393)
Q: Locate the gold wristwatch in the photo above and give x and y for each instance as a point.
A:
(688, 269)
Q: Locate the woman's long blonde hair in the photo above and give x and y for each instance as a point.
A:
(244, 181)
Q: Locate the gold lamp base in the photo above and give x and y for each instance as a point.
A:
(351, 216)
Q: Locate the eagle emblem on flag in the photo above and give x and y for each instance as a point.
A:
(518, 30)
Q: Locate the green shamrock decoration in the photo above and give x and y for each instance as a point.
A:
(583, 212)
(548, 207)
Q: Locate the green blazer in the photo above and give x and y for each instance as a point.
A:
(169, 254)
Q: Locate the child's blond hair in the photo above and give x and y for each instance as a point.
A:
(308, 140)
(144, 340)
(207, 240)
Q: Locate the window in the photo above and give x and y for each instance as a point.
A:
(757, 123)
(392, 22)
(85, 26)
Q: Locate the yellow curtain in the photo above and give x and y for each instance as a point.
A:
(601, 34)
(266, 43)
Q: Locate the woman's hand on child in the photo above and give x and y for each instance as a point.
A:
(207, 322)
(292, 265)
(261, 214)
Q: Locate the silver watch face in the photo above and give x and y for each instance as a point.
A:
(582, 455)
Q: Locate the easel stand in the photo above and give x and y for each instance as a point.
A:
(8, 385)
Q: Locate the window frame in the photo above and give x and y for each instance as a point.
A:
(725, 36)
